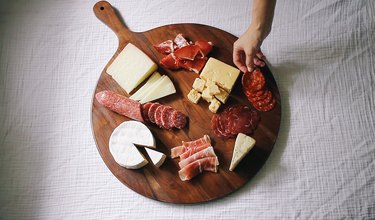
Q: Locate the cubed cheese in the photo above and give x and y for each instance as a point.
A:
(131, 67)
(222, 96)
(194, 96)
(221, 73)
(206, 95)
(213, 89)
(214, 105)
(199, 84)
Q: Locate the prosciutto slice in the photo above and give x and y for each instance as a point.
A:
(177, 151)
(194, 150)
(165, 47)
(197, 167)
(207, 152)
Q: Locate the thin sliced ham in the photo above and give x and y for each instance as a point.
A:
(205, 47)
(207, 152)
(170, 62)
(188, 52)
(180, 41)
(196, 65)
(194, 150)
(177, 151)
(165, 47)
(197, 167)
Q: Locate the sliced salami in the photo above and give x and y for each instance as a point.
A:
(179, 119)
(166, 118)
(145, 109)
(267, 107)
(151, 111)
(157, 115)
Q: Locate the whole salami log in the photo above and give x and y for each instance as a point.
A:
(120, 104)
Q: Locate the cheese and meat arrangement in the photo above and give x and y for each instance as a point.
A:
(143, 106)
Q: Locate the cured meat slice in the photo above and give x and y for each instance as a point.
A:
(120, 104)
(145, 109)
(234, 120)
(170, 62)
(179, 119)
(151, 111)
(157, 115)
(193, 150)
(258, 81)
(166, 117)
(205, 47)
(196, 143)
(195, 65)
(207, 152)
(267, 107)
(165, 47)
(177, 151)
(197, 167)
(262, 100)
(180, 41)
(188, 52)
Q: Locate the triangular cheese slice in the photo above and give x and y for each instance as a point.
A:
(161, 89)
(242, 146)
(144, 89)
(156, 157)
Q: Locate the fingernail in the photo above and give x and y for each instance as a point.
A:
(249, 69)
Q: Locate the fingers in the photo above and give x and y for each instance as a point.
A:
(238, 59)
(250, 60)
(258, 62)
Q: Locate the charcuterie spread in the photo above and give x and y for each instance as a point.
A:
(172, 114)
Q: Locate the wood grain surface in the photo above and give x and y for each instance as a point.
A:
(163, 183)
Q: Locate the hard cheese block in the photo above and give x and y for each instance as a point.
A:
(221, 73)
(144, 89)
(163, 87)
(131, 67)
(242, 146)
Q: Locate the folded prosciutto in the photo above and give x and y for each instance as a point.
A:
(177, 151)
(197, 167)
(207, 152)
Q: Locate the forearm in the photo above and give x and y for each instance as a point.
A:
(262, 16)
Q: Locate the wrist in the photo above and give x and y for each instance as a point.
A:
(259, 31)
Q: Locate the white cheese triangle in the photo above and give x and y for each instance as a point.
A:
(131, 67)
(242, 146)
(161, 89)
(141, 91)
(156, 157)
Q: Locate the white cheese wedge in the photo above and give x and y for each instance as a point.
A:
(131, 67)
(221, 73)
(156, 157)
(141, 91)
(242, 146)
(122, 140)
(162, 88)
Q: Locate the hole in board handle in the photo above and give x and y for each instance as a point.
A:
(102, 8)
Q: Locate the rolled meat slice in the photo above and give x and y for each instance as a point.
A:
(207, 152)
(120, 104)
(197, 167)
(177, 151)
(165, 47)
(193, 150)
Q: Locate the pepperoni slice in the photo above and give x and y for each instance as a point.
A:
(166, 117)
(266, 94)
(257, 80)
(267, 107)
(145, 109)
(151, 112)
(267, 100)
(179, 119)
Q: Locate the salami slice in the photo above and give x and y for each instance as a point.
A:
(265, 101)
(267, 107)
(145, 109)
(179, 119)
(257, 80)
(151, 112)
(120, 104)
(265, 95)
(166, 117)
(157, 115)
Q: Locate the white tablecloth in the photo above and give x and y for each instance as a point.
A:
(322, 56)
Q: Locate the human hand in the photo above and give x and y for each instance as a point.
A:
(246, 51)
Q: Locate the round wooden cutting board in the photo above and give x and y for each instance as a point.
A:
(163, 183)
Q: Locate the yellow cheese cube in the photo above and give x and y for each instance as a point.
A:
(222, 96)
(214, 105)
(206, 95)
(221, 73)
(213, 89)
(194, 96)
(199, 84)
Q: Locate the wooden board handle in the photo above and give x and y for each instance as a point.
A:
(106, 13)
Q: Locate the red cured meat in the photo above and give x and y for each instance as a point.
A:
(205, 47)
(151, 111)
(145, 109)
(166, 117)
(157, 115)
(188, 52)
(195, 65)
(180, 41)
(170, 62)
(165, 47)
(179, 119)
(207, 152)
(120, 104)
(267, 107)
(194, 150)
(177, 151)
(197, 167)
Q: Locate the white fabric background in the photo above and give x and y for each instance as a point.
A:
(322, 55)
